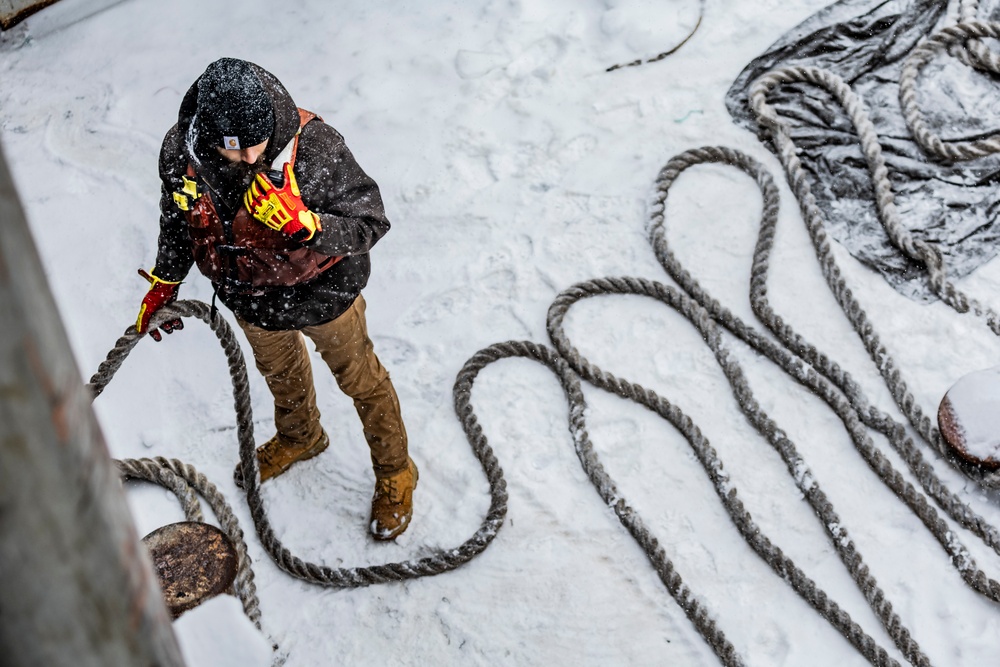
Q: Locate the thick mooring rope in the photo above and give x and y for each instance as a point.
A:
(851, 307)
(917, 250)
(806, 363)
(441, 561)
(801, 360)
(973, 52)
(707, 315)
(185, 482)
(822, 375)
(946, 40)
(783, 566)
(704, 313)
(888, 214)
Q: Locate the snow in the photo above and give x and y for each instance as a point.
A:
(512, 166)
(217, 633)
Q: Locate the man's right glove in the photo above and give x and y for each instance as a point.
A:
(161, 292)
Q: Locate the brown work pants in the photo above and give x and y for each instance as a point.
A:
(283, 359)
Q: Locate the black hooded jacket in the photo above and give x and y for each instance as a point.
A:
(332, 184)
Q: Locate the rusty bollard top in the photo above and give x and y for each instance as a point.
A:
(194, 561)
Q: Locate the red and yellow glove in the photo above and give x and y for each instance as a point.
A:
(161, 292)
(281, 208)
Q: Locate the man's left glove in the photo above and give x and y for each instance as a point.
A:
(281, 208)
(161, 292)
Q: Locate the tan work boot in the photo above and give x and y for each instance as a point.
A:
(392, 505)
(276, 456)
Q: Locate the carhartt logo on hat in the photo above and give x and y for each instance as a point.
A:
(232, 143)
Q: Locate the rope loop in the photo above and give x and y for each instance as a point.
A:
(947, 40)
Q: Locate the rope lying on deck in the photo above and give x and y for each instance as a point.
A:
(797, 357)
(442, 561)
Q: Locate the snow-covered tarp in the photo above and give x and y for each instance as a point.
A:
(953, 206)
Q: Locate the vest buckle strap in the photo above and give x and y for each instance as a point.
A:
(189, 191)
(182, 201)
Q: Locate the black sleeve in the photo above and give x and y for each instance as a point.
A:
(174, 256)
(334, 186)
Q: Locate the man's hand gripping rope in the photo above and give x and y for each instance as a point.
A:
(161, 292)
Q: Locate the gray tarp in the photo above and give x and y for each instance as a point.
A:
(952, 206)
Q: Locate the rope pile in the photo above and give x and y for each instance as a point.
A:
(797, 357)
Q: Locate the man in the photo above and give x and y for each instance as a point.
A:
(270, 204)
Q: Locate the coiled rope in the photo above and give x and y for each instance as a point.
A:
(185, 482)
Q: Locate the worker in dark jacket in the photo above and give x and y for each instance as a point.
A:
(270, 204)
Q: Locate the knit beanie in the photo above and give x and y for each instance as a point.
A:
(234, 110)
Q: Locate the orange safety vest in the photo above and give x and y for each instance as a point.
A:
(254, 255)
